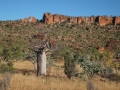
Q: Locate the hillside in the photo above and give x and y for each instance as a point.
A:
(17, 36)
(96, 45)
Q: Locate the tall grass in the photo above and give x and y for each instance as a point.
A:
(31, 82)
(5, 81)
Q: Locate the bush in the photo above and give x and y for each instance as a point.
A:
(69, 64)
(91, 67)
(13, 52)
(7, 67)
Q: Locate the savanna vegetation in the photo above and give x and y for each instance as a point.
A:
(78, 49)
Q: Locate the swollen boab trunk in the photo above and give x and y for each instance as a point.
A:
(41, 58)
(41, 63)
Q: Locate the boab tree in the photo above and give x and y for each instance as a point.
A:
(40, 50)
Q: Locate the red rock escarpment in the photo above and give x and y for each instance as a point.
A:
(116, 20)
(48, 18)
(104, 20)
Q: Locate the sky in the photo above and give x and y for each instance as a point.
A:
(19, 9)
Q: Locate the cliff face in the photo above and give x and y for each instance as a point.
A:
(48, 18)
(80, 20)
(89, 19)
(104, 20)
(116, 20)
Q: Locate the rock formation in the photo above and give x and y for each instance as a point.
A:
(53, 42)
(116, 20)
(104, 20)
(30, 19)
(80, 20)
(56, 18)
(41, 37)
(63, 18)
(34, 19)
(73, 19)
(48, 18)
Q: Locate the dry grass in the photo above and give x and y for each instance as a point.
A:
(23, 65)
(56, 81)
(20, 82)
(31, 82)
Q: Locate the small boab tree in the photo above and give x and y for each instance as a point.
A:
(40, 50)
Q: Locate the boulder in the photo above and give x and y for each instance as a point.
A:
(41, 37)
(53, 42)
(101, 49)
(113, 43)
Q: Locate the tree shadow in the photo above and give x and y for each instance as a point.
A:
(113, 77)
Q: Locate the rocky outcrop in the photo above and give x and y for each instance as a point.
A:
(110, 46)
(113, 44)
(34, 20)
(104, 20)
(40, 37)
(101, 49)
(90, 19)
(48, 18)
(53, 42)
(116, 20)
(63, 18)
(56, 18)
(73, 19)
(80, 20)
(30, 19)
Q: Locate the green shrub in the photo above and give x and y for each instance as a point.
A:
(13, 52)
(90, 68)
(7, 67)
(69, 64)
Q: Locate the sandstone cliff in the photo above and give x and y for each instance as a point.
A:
(104, 20)
(48, 18)
(116, 20)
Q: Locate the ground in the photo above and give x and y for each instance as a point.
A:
(56, 80)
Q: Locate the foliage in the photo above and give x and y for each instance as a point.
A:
(16, 37)
(1, 48)
(7, 67)
(90, 67)
(108, 58)
(69, 64)
(13, 52)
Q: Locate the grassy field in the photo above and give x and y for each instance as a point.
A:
(31, 82)
(56, 80)
(16, 38)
